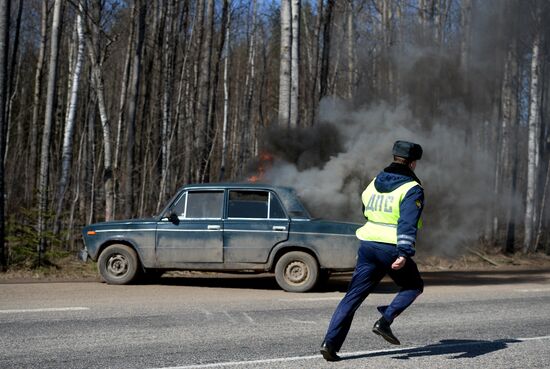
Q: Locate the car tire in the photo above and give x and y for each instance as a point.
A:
(118, 264)
(297, 271)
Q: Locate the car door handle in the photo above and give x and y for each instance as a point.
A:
(279, 228)
(213, 227)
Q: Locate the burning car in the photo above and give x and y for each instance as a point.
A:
(225, 228)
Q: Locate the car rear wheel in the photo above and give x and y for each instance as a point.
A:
(118, 264)
(297, 271)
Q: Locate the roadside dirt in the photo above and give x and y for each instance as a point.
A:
(70, 269)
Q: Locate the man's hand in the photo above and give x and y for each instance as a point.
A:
(399, 263)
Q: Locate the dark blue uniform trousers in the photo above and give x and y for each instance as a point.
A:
(374, 260)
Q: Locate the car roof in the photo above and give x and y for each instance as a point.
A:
(242, 185)
(286, 194)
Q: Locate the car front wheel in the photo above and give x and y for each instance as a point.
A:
(118, 264)
(297, 271)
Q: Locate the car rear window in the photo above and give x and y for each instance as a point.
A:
(248, 204)
(254, 204)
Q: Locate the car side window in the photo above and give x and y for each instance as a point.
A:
(179, 207)
(248, 204)
(204, 204)
(275, 208)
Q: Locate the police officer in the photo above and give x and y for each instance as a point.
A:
(392, 204)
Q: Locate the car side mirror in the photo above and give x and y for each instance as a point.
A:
(174, 218)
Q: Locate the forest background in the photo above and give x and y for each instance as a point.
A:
(108, 106)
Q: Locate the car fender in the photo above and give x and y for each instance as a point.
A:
(119, 240)
(284, 247)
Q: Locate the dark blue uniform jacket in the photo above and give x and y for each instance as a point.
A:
(411, 207)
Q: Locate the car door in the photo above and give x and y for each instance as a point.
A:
(255, 222)
(197, 235)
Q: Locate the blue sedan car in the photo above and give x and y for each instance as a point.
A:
(225, 228)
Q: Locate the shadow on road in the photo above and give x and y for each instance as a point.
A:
(339, 282)
(220, 280)
(458, 349)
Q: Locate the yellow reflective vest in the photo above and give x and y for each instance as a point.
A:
(382, 213)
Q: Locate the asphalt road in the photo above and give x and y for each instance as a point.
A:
(463, 320)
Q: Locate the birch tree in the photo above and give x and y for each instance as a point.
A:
(96, 61)
(295, 65)
(285, 68)
(48, 122)
(225, 96)
(533, 140)
(351, 49)
(67, 150)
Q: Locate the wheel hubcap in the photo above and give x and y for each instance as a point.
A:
(296, 272)
(117, 265)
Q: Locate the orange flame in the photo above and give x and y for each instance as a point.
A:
(264, 162)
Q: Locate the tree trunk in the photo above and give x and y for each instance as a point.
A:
(545, 190)
(183, 91)
(67, 151)
(122, 103)
(212, 109)
(533, 146)
(132, 108)
(507, 153)
(11, 73)
(295, 65)
(167, 130)
(99, 87)
(4, 47)
(326, 48)
(285, 70)
(246, 124)
(351, 50)
(46, 134)
(204, 96)
(314, 92)
(31, 166)
(225, 97)
(465, 39)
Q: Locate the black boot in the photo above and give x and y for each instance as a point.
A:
(382, 328)
(329, 354)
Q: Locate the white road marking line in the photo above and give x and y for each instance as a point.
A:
(206, 312)
(343, 355)
(533, 338)
(75, 308)
(301, 321)
(248, 317)
(230, 317)
(305, 299)
(535, 290)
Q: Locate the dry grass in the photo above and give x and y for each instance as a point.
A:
(65, 269)
(479, 260)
